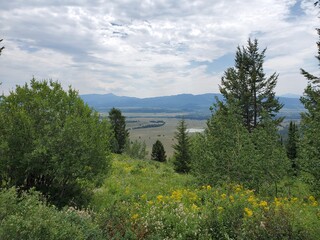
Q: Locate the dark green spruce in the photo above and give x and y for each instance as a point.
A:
(292, 146)
(182, 149)
(158, 153)
(121, 134)
(309, 155)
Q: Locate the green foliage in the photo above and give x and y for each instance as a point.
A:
(246, 86)
(53, 142)
(158, 153)
(228, 152)
(271, 162)
(309, 153)
(136, 149)
(182, 149)
(121, 134)
(28, 217)
(292, 146)
(148, 200)
(223, 152)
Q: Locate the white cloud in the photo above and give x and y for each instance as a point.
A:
(145, 48)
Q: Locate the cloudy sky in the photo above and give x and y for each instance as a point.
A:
(147, 48)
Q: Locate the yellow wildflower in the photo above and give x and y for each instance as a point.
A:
(252, 200)
(263, 204)
(220, 208)
(311, 199)
(223, 196)
(315, 203)
(134, 216)
(209, 187)
(248, 212)
(277, 202)
(192, 196)
(160, 198)
(237, 188)
(176, 195)
(231, 198)
(194, 207)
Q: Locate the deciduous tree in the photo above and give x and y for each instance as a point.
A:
(53, 142)
(227, 152)
(136, 149)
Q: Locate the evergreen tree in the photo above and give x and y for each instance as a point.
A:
(158, 153)
(310, 125)
(182, 148)
(121, 134)
(247, 86)
(292, 146)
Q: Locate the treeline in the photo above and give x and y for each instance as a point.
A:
(152, 124)
(241, 142)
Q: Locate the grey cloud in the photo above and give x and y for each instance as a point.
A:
(119, 43)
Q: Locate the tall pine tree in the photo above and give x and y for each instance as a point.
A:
(121, 134)
(310, 125)
(292, 146)
(182, 149)
(246, 86)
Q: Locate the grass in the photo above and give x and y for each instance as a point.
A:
(143, 199)
(131, 178)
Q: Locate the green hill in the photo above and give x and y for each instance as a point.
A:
(143, 199)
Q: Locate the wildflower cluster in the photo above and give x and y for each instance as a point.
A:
(186, 211)
(173, 211)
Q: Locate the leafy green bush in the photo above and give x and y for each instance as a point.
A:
(53, 142)
(136, 149)
(28, 217)
(227, 152)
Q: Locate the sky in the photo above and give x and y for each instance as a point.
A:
(146, 48)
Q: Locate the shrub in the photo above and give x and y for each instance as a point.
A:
(28, 217)
(52, 141)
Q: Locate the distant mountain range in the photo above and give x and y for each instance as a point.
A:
(196, 105)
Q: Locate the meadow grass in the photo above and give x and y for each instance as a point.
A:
(143, 199)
